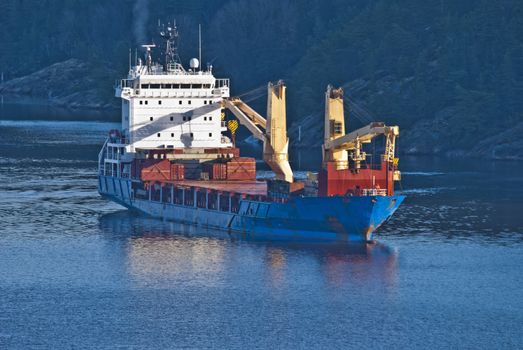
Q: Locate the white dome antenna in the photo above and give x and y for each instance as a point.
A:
(194, 63)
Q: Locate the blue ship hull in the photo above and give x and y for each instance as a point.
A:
(302, 218)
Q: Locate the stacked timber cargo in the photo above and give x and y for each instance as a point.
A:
(154, 170)
(241, 168)
(236, 169)
(216, 171)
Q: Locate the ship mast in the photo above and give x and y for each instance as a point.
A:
(171, 37)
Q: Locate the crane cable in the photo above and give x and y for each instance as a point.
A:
(358, 111)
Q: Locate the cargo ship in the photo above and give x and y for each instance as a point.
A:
(175, 158)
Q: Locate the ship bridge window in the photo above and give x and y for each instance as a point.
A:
(185, 86)
(196, 86)
(166, 86)
(175, 86)
(206, 86)
(155, 86)
(144, 86)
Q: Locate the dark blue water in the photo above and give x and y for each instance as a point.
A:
(79, 272)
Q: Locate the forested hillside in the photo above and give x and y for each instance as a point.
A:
(449, 72)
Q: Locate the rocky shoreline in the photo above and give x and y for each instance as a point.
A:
(70, 84)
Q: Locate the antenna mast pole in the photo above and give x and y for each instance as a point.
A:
(200, 45)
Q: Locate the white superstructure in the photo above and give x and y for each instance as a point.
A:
(167, 106)
(172, 109)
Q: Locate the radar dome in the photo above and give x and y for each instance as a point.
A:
(194, 63)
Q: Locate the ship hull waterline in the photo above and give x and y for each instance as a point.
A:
(328, 219)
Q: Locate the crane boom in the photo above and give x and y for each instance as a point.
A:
(235, 106)
(362, 135)
(248, 111)
(338, 146)
(276, 145)
(272, 131)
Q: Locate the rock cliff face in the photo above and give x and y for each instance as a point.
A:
(449, 132)
(71, 84)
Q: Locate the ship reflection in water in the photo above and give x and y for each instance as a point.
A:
(160, 253)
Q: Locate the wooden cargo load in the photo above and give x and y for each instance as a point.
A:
(216, 171)
(241, 168)
(157, 170)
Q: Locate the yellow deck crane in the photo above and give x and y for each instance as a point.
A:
(339, 147)
(271, 131)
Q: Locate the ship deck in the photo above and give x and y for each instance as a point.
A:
(253, 188)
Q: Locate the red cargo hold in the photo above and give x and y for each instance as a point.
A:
(332, 182)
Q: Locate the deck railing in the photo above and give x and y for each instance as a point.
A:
(374, 192)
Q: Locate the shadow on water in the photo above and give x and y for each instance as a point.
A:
(159, 249)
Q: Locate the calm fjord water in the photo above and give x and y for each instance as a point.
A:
(77, 271)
